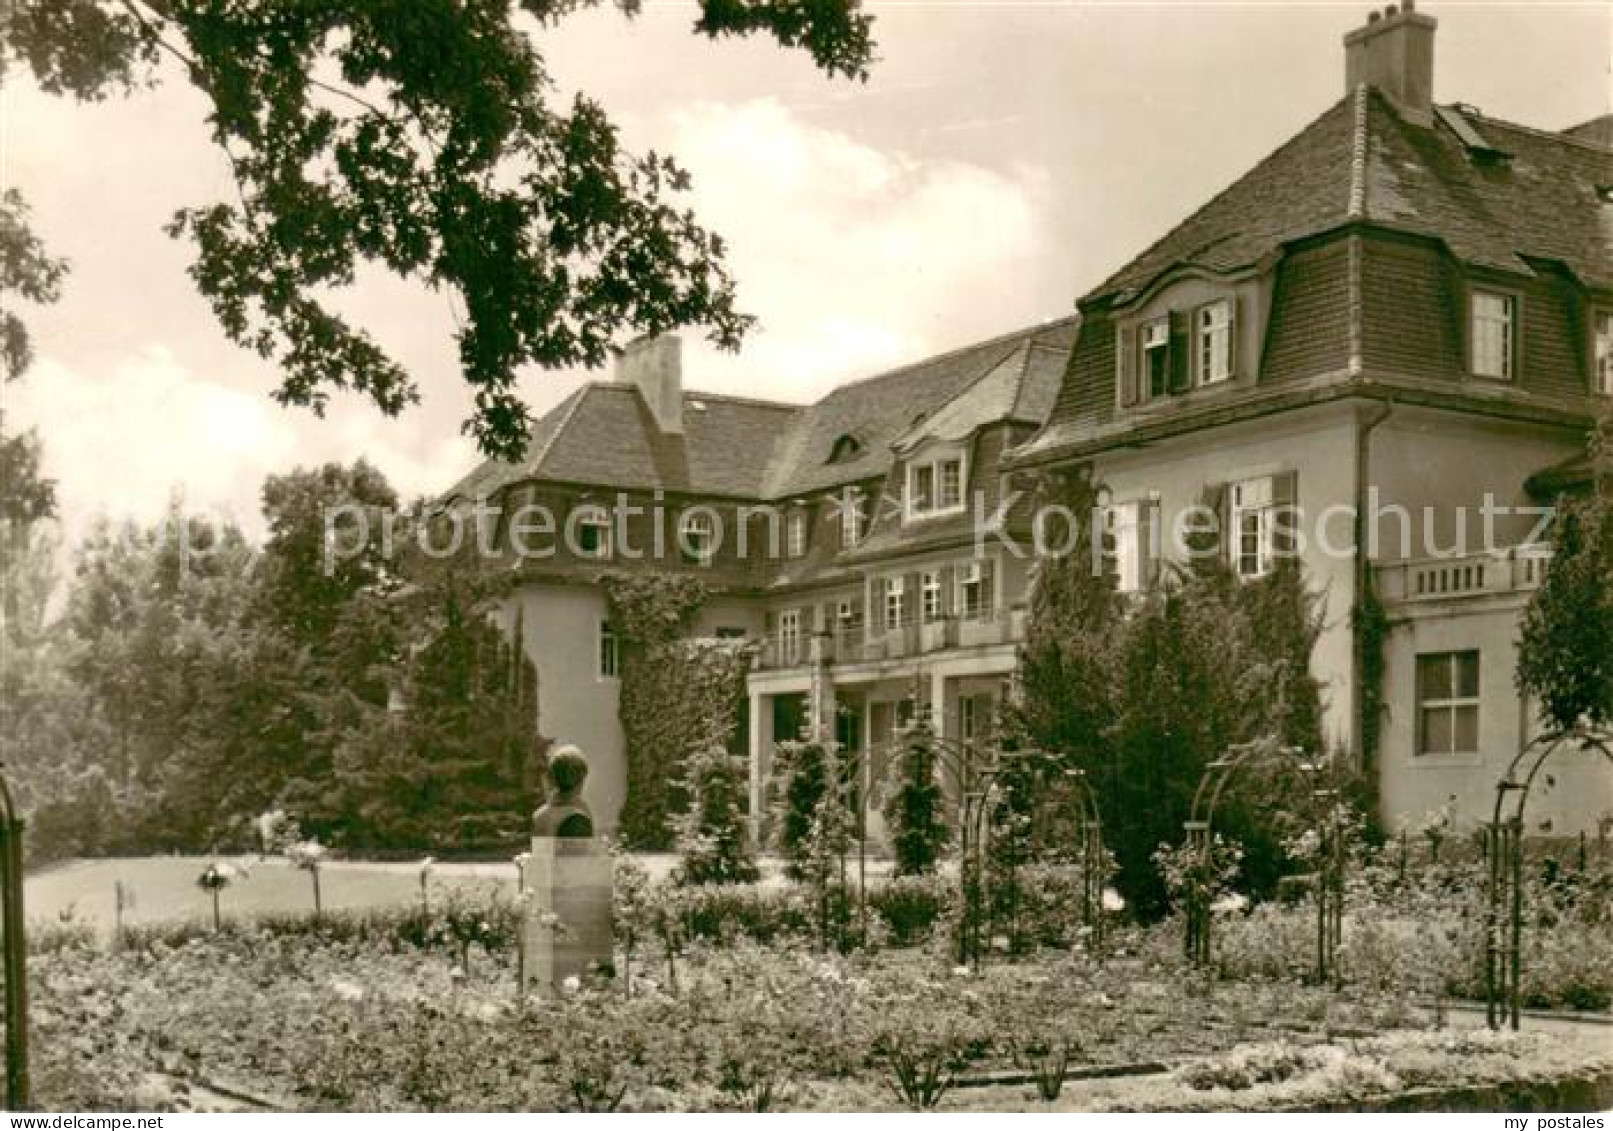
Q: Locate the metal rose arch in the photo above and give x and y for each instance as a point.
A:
(1328, 820)
(974, 766)
(1503, 844)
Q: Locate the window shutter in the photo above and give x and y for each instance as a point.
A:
(945, 578)
(1148, 543)
(1234, 332)
(987, 587)
(1180, 360)
(1285, 500)
(1215, 500)
(1126, 364)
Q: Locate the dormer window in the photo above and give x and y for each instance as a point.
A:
(795, 534)
(1162, 354)
(852, 520)
(697, 536)
(935, 486)
(1156, 357)
(593, 533)
(846, 447)
(1214, 328)
(1494, 342)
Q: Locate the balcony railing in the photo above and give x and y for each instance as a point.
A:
(1519, 569)
(909, 637)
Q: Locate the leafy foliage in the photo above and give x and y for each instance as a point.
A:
(1563, 655)
(1141, 695)
(28, 272)
(914, 806)
(191, 685)
(711, 833)
(678, 697)
(423, 138)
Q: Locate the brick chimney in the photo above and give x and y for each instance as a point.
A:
(1395, 53)
(654, 366)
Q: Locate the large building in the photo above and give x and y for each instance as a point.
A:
(1381, 349)
(1386, 336)
(838, 536)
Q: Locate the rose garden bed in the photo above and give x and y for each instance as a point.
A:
(313, 1021)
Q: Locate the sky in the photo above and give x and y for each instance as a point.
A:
(1002, 158)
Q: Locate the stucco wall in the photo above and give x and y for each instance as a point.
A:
(575, 703)
(1575, 788)
(1319, 445)
(1447, 461)
(560, 625)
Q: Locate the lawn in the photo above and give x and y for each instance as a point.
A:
(164, 887)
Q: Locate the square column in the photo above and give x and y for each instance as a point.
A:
(760, 745)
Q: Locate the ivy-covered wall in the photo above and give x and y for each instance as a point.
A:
(677, 695)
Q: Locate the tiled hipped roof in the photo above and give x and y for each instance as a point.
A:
(1533, 194)
(604, 435)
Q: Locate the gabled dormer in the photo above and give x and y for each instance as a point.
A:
(935, 480)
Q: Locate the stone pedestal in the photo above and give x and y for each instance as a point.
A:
(569, 877)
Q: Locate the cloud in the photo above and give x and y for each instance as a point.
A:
(121, 442)
(854, 259)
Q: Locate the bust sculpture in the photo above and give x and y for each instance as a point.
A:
(565, 814)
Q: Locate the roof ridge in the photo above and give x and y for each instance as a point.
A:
(735, 398)
(609, 385)
(999, 360)
(1537, 131)
(569, 409)
(1357, 207)
(1107, 286)
(957, 351)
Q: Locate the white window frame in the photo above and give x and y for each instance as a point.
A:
(947, 473)
(895, 610)
(795, 534)
(1252, 517)
(598, 519)
(1495, 360)
(789, 635)
(970, 574)
(607, 651)
(930, 595)
(846, 616)
(1213, 355)
(1124, 525)
(1453, 702)
(1153, 334)
(851, 518)
(1602, 351)
(966, 718)
(949, 484)
(697, 535)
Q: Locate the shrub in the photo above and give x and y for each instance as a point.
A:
(918, 834)
(711, 834)
(911, 906)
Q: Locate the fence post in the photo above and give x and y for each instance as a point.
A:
(16, 953)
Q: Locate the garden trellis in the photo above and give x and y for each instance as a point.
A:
(1329, 819)
(975, 767)
(1503, 851)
